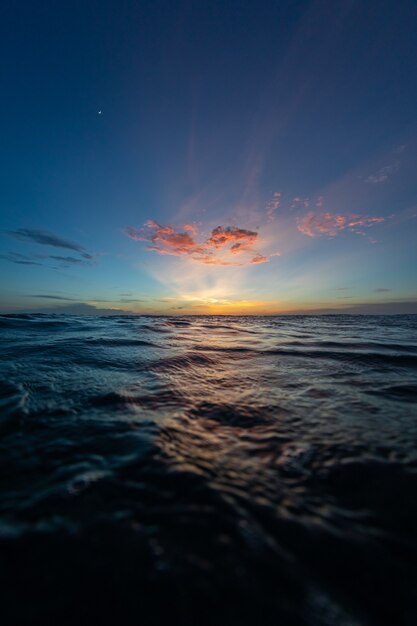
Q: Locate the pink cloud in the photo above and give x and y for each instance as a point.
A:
(221, 247)
(191, 228)
(259, 258)
(330, 224)
(273, 205)
(222, 236)
(298, 202)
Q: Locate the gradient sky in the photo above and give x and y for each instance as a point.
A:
(208, 156)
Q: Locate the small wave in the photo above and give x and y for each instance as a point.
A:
(183, 362)
(242, 417)
(119, 342)
(227, 349)
(177, 322)
(210, 473)
(375, 358)
(406, 393)
(12, 399)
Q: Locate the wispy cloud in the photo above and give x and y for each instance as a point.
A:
(300, 202)
(46, 238)
(330, 224)
(220, 248)
(20, 259)
(381, 289)
(48, 297)
(273, 206)
(383, 174)
(78, 308)
(66, 259)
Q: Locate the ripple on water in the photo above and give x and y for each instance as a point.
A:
(261, 468)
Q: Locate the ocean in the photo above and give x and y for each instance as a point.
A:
(208, 470)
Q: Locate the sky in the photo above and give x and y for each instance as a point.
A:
(193, 157)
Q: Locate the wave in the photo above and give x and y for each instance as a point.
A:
(261, 468)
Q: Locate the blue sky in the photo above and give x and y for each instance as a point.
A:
(193, 157)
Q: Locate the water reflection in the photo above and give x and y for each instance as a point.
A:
(261, 468)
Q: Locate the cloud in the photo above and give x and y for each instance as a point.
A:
(273, 205)
(45, 238)
(77, 308)
(381, 289)
(66, 259)
(20, 259)
(259, 258)
(330, 224)
(35, 259)
(400, 307)
(298, 202)
(192, 228)
(48, 297)
(223, 236)
(221, 248)
(383, 174)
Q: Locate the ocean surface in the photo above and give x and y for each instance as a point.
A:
(208, 470)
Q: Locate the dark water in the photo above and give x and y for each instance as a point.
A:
(208, 470)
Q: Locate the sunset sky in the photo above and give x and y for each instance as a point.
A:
(209, 156)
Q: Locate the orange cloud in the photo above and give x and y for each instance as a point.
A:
(330, 224)
(220, 248)
(259, 258)
(222, 236)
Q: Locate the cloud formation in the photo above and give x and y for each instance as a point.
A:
(259, 258)
(330, 224)
(20, 259)
(273, 205)
(221, 248)
(45, 238)
(48, 297)
(383, 174)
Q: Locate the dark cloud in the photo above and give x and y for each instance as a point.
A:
(20, 259)
(401, 307)
(381, 289)
(78, 308)
(44, 238)
(47, 297)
